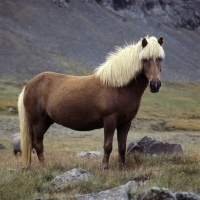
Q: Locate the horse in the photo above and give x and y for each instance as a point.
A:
(109, 98)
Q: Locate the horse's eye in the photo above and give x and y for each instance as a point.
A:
(144, 60)
(159, 59)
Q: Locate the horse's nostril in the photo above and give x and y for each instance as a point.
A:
(155, 84)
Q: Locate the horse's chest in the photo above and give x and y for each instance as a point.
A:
(127, 114)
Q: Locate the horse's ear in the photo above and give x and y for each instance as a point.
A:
(144, 42)
(160, 41)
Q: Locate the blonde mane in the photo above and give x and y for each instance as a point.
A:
(125, 63)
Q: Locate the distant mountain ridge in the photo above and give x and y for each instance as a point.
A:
(175, 14)
(38, 36)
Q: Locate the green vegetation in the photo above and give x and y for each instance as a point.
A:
(9, 92)
(173, 172)
(175, 107)
(69, 67)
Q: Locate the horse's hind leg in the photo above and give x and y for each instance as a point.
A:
(39, 130)
(122, 133)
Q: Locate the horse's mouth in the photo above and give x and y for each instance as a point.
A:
(154, 90)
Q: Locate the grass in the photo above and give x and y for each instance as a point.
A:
(181, 98)
(176, 106)
(9, 92)
(173, 172)
(70, 67)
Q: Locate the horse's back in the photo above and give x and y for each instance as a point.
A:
(72, 101)
(52, 79)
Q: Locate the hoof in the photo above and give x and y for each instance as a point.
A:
(104, 167)
(121, 166)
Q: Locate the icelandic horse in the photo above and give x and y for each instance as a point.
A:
(109, 98)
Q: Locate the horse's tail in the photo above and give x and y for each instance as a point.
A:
(26, 132)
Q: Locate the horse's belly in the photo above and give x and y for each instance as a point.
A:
(80, 122)
(82, 126)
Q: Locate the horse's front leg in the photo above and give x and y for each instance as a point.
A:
(109, 129)
(122, 132)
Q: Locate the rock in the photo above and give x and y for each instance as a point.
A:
(149, 146)
(89, 154)
(186, 196)
(117, 193)
(2, 146)
(172, 13)
(128, 191)
(159, 194)
(16, 144)
(69, 177)
(62, 3)
(12, 110)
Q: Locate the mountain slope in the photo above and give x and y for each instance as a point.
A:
(38, 36)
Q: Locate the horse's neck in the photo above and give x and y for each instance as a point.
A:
(139, 84)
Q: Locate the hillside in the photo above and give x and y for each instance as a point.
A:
(39, 35)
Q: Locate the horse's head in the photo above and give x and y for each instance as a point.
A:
(151, 58)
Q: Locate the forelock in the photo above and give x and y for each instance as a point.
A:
(152, 50)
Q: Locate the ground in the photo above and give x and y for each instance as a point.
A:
(59, 138)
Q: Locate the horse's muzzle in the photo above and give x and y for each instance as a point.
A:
(154, 86)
